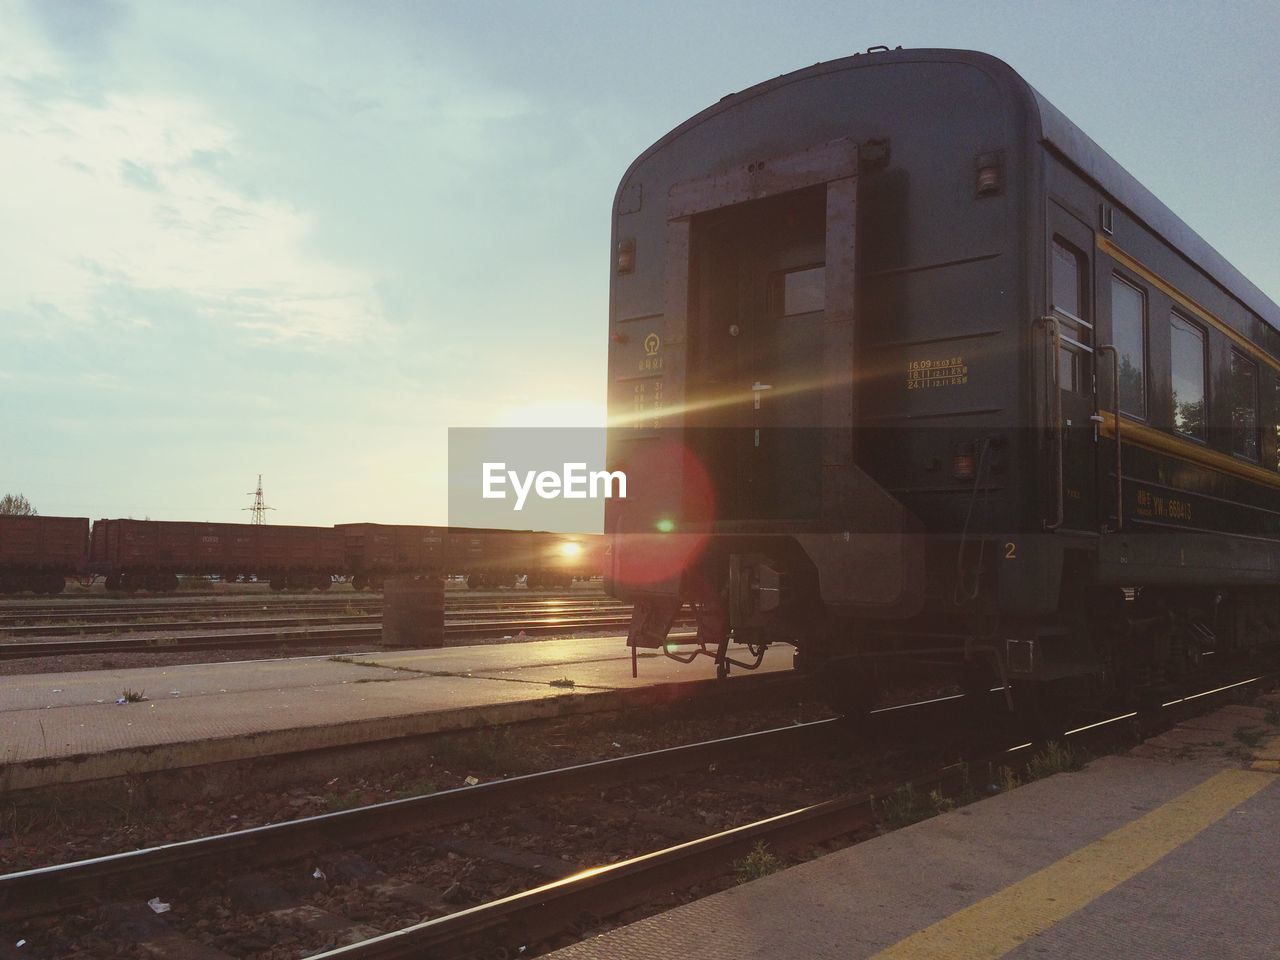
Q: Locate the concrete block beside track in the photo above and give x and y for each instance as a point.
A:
(67, 728)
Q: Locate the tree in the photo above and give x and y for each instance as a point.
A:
(16, 505)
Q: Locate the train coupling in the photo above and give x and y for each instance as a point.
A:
(651, 621)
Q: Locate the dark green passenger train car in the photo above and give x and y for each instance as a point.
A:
(869, 324)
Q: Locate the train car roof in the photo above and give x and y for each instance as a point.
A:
(1098, 165)
(1061, 135)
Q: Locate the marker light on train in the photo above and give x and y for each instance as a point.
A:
(626, 255)
(963, 465)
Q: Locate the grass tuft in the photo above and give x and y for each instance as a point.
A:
(905, 806)
(416, 788)
(133, 696)
(1054, 758)
(756, 864)
(564, 682)
(1007, 779)
(342, 799)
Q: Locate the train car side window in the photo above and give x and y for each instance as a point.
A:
(800, 291)
(1188, 356)
(1129, 334)
(1244, 407)
(1069, 300)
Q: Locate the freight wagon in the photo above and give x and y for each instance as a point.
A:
(374, 551)
(150, 554)
(39, 553)
(487, 558)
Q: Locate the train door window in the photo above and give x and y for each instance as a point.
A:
(1129, 335)
(1187, 342)
(1244, 406)
(800, 291)
(1069, 300)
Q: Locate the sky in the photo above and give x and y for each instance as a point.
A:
(303, 240)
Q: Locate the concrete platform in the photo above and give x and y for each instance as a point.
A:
(1169, 852)
(62, 728)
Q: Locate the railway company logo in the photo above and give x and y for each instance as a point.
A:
(652, 344)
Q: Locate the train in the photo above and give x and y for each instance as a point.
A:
(39, 553)
(904, 369)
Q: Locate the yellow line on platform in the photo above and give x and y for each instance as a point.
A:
(1004, 920)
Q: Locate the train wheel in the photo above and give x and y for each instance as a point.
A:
(324, 583)
(278, 584)
(6, 585)
(359, 582)
(55, 583)
(475, 581)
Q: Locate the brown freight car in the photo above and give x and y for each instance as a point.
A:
(39, 553)
(490, 558)
(375, 551)
(486, 557)
(149, 554)
(495, 558)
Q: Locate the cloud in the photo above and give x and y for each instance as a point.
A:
(122, 189)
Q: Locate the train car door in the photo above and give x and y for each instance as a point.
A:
(762, 354)
(1072, 379)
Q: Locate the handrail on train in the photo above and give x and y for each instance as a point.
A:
(1115, 400)
(1055, 340)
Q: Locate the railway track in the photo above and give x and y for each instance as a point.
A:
(23, 610)
(559, 895)
(113, 624)
(369, 630)
(474, 823)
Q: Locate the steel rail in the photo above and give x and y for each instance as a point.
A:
(48, 889)
(19, 650)
(507, 925)
(297, 620)
(11, 611)
(96, 601)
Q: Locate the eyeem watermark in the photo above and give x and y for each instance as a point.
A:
(574, 482)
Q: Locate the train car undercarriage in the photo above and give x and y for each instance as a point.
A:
(1105, 648)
